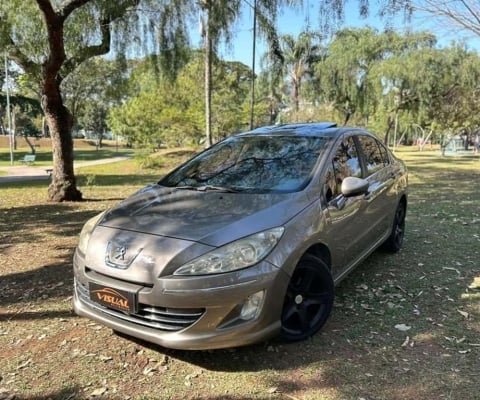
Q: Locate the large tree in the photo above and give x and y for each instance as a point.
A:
(49, 39)
(351, 73)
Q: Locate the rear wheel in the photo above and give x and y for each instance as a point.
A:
(309, 299)
(395, 240)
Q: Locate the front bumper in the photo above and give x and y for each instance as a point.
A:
(190, 313)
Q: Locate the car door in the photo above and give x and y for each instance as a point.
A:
(378, 207)
(342, 232)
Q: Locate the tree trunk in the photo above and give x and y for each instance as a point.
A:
(59, 120)
(390, 122)
(32, 146)
(296, 100)
(348, 114)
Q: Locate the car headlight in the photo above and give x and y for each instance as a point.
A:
(87, 232)
(236, 255)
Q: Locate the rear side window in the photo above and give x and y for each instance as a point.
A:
(374, 153)
(384, 152)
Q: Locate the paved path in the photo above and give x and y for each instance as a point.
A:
(18, 173)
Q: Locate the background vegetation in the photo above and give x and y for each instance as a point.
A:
(382, 80)
(399, 85)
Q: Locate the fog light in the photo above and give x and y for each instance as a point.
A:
(252, 306)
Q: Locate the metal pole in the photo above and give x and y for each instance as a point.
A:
(10, 133)
(395, 132)
(252, 102)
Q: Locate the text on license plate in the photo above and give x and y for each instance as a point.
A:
(117, 299)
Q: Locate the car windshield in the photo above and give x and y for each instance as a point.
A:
(251, 163)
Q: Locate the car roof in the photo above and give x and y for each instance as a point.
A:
(324, 129)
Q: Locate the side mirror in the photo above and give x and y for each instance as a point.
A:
(352, 186)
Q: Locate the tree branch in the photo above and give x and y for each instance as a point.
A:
(106, 32)
(459, 13)
(23, 61)
(91, 51)
(47, 10)
(70, 6)
(15, 54)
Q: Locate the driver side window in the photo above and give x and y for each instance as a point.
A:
(345, 163)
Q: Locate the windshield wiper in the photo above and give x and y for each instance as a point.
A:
(207, 188)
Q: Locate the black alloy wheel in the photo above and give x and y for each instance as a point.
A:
(309, 299)
(395, 240)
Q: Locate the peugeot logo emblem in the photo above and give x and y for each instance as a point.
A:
(119, 253)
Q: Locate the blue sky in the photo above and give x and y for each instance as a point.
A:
(294, 21)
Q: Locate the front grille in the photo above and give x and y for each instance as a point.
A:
(161, 318)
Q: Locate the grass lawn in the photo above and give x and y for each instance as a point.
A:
(43, 156)
(405, 326)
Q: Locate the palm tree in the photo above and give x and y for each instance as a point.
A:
(218, 17)
(264, 18)
(299, 56)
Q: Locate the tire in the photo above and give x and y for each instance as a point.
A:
(395, 241)
(309, 299)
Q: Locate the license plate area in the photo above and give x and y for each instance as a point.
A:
(117, 299)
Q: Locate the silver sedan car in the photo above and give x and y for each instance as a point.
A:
(245, 241)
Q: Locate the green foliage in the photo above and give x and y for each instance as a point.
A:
(431, 87)
(362, 77)
(172, 113)
(378, 80)
(90, 90)
(146, 160)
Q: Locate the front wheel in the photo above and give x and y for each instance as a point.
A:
(309, 299)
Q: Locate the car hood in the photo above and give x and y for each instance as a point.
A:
(208, 217)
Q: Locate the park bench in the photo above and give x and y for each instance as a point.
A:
(28, 159)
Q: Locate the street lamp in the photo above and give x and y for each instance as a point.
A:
(252, 102)
(10, 133)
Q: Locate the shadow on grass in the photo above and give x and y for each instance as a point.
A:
(52, 281)
(89, 155)
(26, 183)
(21, 224)
(69, 392)
(182, 154)
(84, 181)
